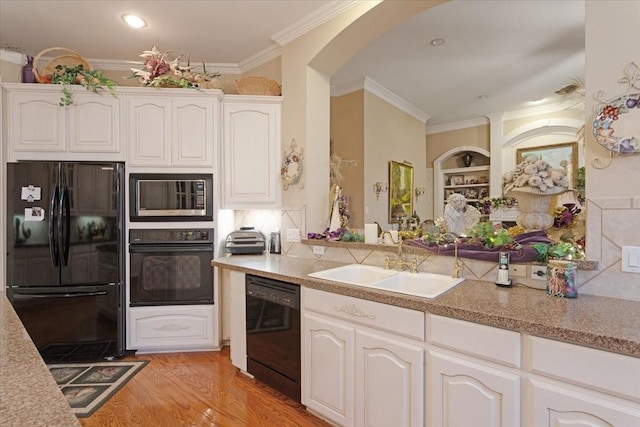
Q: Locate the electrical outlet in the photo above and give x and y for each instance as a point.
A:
(293, 235)
(517, 270)
(318, 250)
(539, 272)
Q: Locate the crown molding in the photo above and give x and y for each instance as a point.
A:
(446, 127)
(541, 109)
(381, 92)
(313, 20)
(11, 56)
(259, 58)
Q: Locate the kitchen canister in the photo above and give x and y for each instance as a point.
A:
(562, 279)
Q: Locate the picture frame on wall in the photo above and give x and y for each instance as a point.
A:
(400, 191)
(563, 156)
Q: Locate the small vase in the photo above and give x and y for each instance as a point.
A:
(466, 159)
(27, 71)
(562, 279)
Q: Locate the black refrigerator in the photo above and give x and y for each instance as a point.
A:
(65, 260)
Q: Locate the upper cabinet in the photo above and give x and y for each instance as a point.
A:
(38, 128)
(166, 130)
(250, 152)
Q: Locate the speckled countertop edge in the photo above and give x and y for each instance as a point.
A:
(603, 323)
(29, 396)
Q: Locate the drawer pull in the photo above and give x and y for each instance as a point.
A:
(352, 310)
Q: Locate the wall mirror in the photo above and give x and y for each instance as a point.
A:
(400, 191)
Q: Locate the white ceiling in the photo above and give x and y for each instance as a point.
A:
(512, 52)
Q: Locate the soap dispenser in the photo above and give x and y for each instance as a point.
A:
(274, 243)
(503, 270)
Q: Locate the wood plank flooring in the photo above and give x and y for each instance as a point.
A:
(197, 389)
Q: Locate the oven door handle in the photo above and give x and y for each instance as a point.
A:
(170, 248)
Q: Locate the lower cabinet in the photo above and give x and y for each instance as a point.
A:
(558, 406)
(171, 328)
(465, 393)
(354, 373)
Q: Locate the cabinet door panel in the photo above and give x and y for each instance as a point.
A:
(389, 382)
(36, 123)
(556, 406)
(94, 124)
(328, 368)
(149, 131)
(192, 132)
(465, 393)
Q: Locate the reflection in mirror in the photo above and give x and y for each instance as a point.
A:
(400, 192)
(461, 82)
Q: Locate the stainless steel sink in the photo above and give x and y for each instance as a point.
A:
(426, 285)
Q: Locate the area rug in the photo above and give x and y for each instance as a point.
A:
(89, 385)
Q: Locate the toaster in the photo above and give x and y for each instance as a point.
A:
(245, 241)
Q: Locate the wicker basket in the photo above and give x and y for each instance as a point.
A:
(65, 56)
(254, 85)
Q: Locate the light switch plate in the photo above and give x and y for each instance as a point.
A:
(293, 235)
(631, 259)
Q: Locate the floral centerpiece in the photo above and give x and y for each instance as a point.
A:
(533, 183)
(160, 72)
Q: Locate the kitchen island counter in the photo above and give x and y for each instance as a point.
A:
(603, 323)
(29, 396)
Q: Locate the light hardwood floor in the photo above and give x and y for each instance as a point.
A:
(197, 389)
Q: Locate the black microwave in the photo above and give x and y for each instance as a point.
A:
(170, 197)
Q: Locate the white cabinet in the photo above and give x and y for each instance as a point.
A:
(328, 380)
(579, 386)
(471, 382)
(237, 320)
(353, 347)
(171, 130)
(465, 393)
(451, 176)
(251, 152)
(38, 128)
(171, 328)
(558, 406)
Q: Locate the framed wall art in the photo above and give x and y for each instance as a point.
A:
(400, 190)
(563, 156)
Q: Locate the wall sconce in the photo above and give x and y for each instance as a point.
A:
(380, 187)
(419, 192)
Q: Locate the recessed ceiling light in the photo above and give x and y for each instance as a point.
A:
(483, 97)
(437, 42)
(134, 21)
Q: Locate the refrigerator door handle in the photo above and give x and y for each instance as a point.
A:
(65, 224)
(53, 231)
(67, 295)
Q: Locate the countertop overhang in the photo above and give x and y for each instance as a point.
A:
(603, 323)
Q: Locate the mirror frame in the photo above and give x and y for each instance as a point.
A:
(400, 188)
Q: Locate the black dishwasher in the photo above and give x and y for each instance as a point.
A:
(273, 333)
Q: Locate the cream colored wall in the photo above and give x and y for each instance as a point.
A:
(10, 72)
(347, 142)
(390, 134)
(613, 196)
(441, 142)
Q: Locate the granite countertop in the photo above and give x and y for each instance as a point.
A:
(29, 396)
(604, 323)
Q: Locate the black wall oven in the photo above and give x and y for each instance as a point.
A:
(273, 333)
(171, 267)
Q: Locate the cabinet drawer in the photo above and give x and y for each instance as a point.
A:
(398, 320)
(609, 372)
(494, 344)
(170, 328)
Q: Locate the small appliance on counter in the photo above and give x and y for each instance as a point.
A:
(245, 241)
(274, 243)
